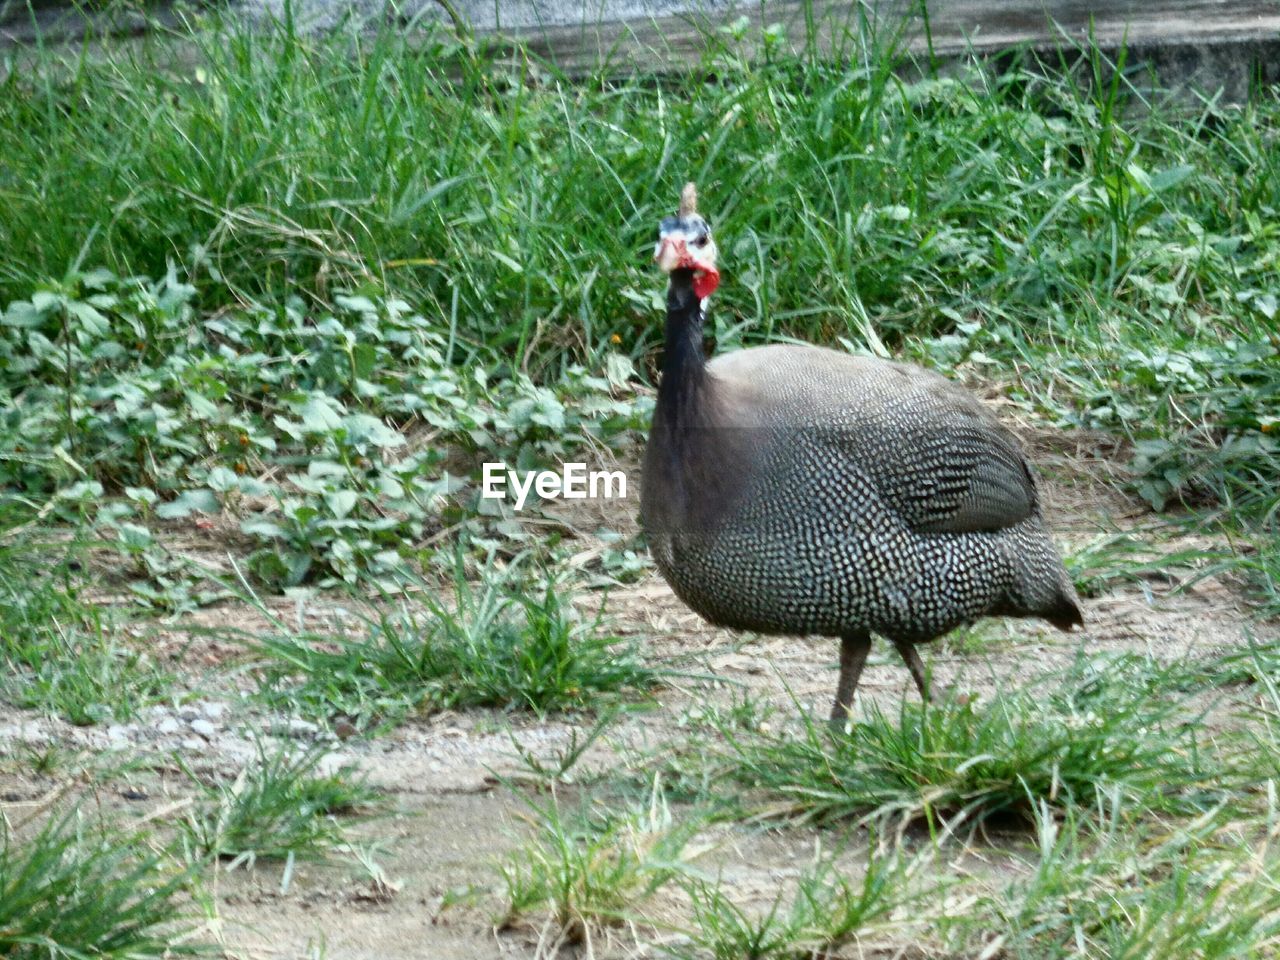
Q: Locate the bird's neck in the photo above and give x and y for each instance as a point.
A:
(684, 363)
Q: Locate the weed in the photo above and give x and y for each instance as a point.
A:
(744, 711)
(194, 432)
(89, 682)
(46, 760)
(74, 889)
(1255, 663)
(566, 759)
(982, 638)
(595, 873)
(824, 913)
(1105, 724)
(59, 654)
(279, 806)
(1098, 887)
(498, 645)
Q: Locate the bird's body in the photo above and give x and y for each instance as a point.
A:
(800, 490)
(856, 493)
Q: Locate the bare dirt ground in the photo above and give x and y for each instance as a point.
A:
(453, 779)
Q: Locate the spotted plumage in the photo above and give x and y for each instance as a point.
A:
(799, 490)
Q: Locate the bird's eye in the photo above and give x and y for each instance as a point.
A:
(701, 241)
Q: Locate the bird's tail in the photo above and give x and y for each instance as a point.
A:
(1042, 587)
(1065, 612)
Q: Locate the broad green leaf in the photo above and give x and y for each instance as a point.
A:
(191, 501)
(90, 319)
(341, 502)
(141, 494)
(135, 537)
(221, 479)
(619, 369)
(355, 304)
(257, 527)
(85, 490)
(319, 416)
(46, 301)
(201, 407)
(365, 356)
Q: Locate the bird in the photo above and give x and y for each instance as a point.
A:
(792, 489)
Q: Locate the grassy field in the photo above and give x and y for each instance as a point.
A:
(273, 677)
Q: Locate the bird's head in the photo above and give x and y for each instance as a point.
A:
(684, 243)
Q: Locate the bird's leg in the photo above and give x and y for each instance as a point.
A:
(907, 650)
(854, 648)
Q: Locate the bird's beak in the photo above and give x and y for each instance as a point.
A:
(672, 253)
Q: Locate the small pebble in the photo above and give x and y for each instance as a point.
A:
(192, 744)
(188, 712)
(331, 764)
(215, 710)
(204, 728)
(168, 726)
(295, 728)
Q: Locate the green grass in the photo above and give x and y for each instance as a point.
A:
(1257, 561)
(824, 913)
(1093, 886)
(595, 871)
(1125, 725)
(1108, 257)
(60, 654)
(263, 286)
(500, 643)
(74, 889)
(1247, 557)
(296, 158)
(280, 806)
(1255, 663)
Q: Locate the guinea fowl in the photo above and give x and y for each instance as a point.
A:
(792, 489)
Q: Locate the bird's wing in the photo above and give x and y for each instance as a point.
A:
(935, 454)
(939, 459)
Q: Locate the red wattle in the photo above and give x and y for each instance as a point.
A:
(705, 281)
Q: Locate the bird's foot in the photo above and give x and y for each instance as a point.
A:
(841, 719)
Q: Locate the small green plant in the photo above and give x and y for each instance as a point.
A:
(1101, 886)
(1255, 663)
(1123, 724)
(279, 806)
(75, 889)
(560, 770)
(979, 639)
(500, 644)
(744, 711)
(824, 913)
(595, 873)
(44, 760)
(307, 455)
(59, 654)
(88, 681)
